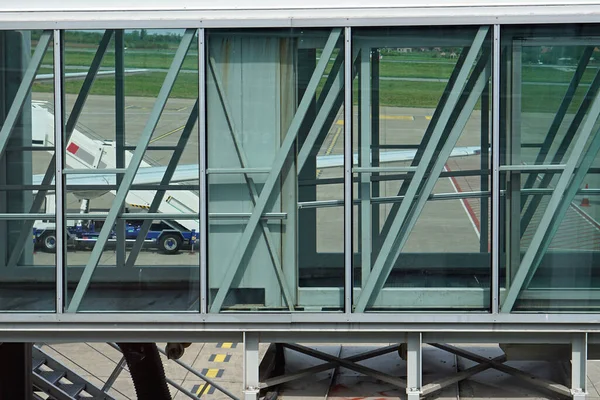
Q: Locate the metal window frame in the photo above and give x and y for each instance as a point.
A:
(83, 323)
(60, 208)
(495, 228)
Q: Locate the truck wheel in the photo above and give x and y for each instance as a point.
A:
(48, 241)
(169, 243)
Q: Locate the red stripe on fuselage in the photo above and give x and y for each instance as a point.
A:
(72, 148)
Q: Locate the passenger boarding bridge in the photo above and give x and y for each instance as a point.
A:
(393, 174)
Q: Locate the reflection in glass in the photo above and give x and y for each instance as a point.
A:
(275, 170)
(27, 204)
(145, 260)
(421, 169)
(550, 146)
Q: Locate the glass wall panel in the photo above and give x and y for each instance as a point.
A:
(27, 201)
(550, 211)
(131, 170)
(421, 134)
(275, 170)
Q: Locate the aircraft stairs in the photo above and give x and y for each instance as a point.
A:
(59, 382)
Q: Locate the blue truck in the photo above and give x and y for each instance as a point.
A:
(166, 235)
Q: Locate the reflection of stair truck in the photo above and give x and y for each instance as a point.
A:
(85, 151)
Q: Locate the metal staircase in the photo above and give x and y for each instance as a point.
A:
(56, 380)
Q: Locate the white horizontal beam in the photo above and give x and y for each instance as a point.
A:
(152, 16)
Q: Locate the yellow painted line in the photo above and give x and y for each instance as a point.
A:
(205, 388)
(398, 117)
(226, 345)
(164, 135)
(333, 141)
(139, 205)
(336, 135)
(220, 357)
(389, 117)
(212, 372)
(428, 117)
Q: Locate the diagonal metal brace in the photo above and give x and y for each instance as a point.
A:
(536, 381)
(280, 159)
(166, 179)
(459, 376)
(578, 156)
(38, 201)
(398, 233)
(566, 203)
(553, 131)
(243, 159)
(24, 89)
(392, 380)
(278, 380)
(132, 169)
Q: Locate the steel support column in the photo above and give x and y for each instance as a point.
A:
(134, 164)
(233, 266)
(38, 201)
(15, 371)
(414, 365)
(579, 366)
(251, 366)
(243, 160)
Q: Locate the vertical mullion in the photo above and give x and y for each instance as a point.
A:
(348, 170)
(59, 163)
(495, 170)
(203, 208)
(120, 135)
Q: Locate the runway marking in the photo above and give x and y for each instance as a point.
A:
(144, 206)
(465, 204)
(212, 372)
(338, 131)
(164, 135)
(389, 117)
(220, 358)
(205, 388)
(398, 117)
(226, 345)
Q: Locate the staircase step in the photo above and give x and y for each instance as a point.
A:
(52, 376)
(73, 389)
(37, 362)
